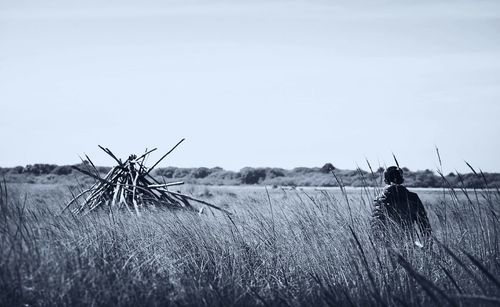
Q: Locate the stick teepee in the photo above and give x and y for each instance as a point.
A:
(130, 185)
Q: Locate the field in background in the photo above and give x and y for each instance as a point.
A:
(271, 176)
(281, 246)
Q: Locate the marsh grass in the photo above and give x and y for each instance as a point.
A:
(279, 248)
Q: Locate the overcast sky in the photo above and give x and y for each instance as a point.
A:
(252, 83)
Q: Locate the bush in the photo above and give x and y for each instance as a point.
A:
(200, 172)
(304, 170)
(327, 168)
(182, 172)
(225, 175)
(39, 169)
(252, 175)
(167, 172)
(426, 179)
(16, 170)
(275, 172)
(62, 170)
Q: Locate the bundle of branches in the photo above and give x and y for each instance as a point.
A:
(130, 185)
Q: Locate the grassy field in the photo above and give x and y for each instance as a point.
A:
(281, 247)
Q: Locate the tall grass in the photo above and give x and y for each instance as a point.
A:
(281, 248)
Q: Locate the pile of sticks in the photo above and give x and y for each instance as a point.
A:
(130, 185)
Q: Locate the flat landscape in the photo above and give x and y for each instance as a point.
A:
(279, 247)
(265, 153)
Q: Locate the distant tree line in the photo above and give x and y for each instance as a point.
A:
(299, 176)
(46, 169)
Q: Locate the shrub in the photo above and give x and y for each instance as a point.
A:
(200, 172)
(167, 172)
(327, 168)
(252, 175)
(181, 172)
(304, 170)
(275, 172)
(16, 170)
(62, 170)
(39, 169)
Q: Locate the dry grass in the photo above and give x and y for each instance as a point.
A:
(285, 248)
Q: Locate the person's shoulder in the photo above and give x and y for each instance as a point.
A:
(394, 188)
(387, 193)
(411, 193)
(412, 196)
(388, 188)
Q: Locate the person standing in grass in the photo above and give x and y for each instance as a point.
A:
(396, 207)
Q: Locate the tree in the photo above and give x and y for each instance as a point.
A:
(181, 172)
(252, 175)
(200, 172)
(167, 172)
(328, 167)
(275, 172)
(62, 170)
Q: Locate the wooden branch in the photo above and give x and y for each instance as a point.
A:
(164, 156)
(200, 201)
(106, 150)
(163, 185)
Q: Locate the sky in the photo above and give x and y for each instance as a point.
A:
(252, 83)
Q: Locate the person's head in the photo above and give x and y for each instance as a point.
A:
(393, 174)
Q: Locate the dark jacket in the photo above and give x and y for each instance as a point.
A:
(402, 207)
